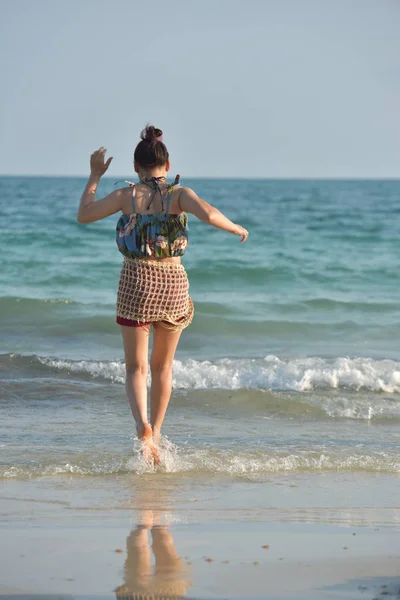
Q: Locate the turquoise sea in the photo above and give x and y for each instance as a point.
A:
(292, 362)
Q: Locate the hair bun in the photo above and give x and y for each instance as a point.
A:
(151, 150)
(150, 133)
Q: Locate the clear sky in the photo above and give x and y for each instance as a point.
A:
(243, 88)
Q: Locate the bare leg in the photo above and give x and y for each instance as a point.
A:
(136, 346)
(165, 343)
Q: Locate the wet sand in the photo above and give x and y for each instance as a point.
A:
(161, 537)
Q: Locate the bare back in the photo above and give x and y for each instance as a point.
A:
(137, 200)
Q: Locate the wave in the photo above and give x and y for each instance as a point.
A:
(237, 464)
(310, 388)
(291, 374)
(270, 373)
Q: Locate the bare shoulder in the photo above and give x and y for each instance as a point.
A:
(187, 197)
(177, 199)
(190, 202)
(104, 207)
(125, 195)
(188, 192)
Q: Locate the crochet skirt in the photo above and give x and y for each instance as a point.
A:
(154, 291)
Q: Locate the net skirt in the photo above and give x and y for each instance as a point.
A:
(154, 291)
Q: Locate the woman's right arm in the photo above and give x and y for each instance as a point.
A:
(191, 203)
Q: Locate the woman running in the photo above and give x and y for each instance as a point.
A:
(152, 234)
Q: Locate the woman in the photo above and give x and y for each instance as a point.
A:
(153, 287)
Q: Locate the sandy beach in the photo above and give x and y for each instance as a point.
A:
(156, 536)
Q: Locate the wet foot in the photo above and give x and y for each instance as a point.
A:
(156, 435)
(156, 441)
(149, 449)
(144, 432)
(155, 454)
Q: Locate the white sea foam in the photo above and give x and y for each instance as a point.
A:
(270, 373)
(235, 463)
(113, 370)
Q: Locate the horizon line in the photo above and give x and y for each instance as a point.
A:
(226, 177)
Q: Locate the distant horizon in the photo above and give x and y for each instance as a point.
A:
(211, 177)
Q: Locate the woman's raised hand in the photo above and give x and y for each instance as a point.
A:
(242, 232)
(97, 165)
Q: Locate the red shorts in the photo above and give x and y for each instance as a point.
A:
(130, 323)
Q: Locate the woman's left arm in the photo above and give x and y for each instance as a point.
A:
(91, 209)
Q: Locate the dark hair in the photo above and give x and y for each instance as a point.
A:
(151, 152)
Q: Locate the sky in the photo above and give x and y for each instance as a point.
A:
(241, 88)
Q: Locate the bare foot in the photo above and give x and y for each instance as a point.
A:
(156, 440)
(144, 432)
(149, 449)
(155, 454)
(156, 435)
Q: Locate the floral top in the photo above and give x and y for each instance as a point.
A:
(158, 235)
(154, 235)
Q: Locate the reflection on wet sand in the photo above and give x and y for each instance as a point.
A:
(166, 579)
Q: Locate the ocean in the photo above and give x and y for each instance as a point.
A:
(291, 365)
